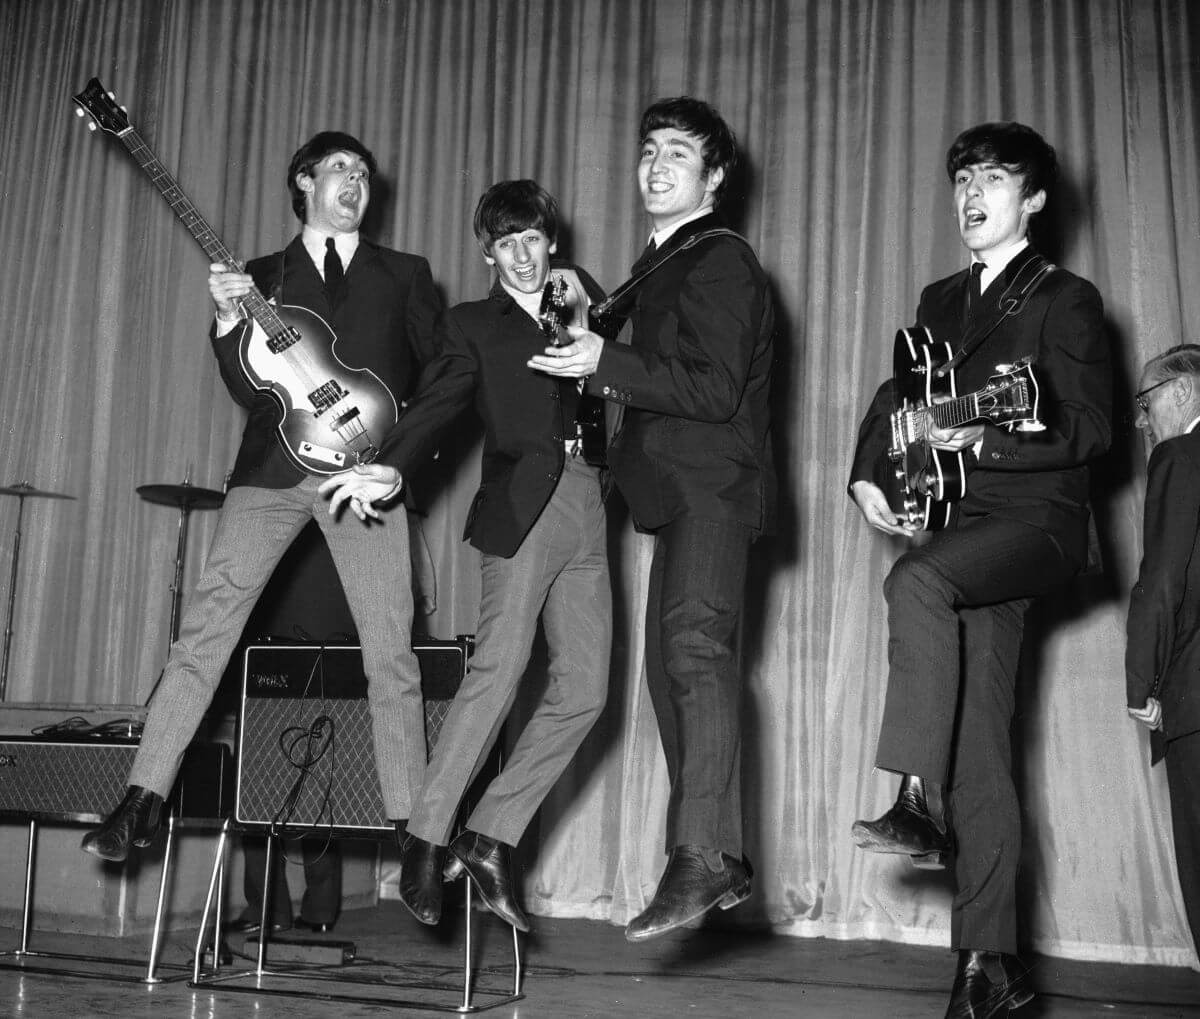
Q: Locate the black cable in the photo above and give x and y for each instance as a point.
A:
(304, 747)
(77, 725)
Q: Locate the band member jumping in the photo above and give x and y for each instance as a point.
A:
(382, 306)
(692, 459)
(956, 605)
(538, 521)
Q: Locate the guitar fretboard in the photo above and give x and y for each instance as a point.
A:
(952, 413)
(255, 304)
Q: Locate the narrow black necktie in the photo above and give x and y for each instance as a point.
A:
(974, 291)
(645, 257)
(334, 276)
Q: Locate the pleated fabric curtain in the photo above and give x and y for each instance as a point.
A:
(844, 111)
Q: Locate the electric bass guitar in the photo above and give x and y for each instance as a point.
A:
(922, 483)
(553, 316)
(333, 417)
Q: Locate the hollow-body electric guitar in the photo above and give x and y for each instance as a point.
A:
(333, 417)
(921, 482)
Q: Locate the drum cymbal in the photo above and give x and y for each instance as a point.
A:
(183, 496)
(24, 488)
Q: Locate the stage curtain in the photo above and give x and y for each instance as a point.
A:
(844, 112)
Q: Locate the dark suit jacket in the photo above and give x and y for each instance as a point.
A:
(484, 348)
(1040, 478)
(385, 323)
(694, 381)
(1162, 653)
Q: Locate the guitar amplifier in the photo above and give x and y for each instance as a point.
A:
(328, 780)
(82, 778)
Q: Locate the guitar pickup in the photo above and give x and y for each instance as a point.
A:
(326, 396)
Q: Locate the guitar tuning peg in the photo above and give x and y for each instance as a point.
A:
(91, 125)
(112, 95)
(124, 109)
(78, 111)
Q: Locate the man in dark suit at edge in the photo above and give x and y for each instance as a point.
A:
(692, 458)
(956, 605)
(382, 310)
(1162, 655)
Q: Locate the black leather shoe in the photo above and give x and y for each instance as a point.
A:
(134, 823)
(489, 865)
(251, 927)
(988, 984)
(688, 889)
(309, 925)
(421, 865)
(909, 828)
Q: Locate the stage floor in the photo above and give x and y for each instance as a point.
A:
(577, 968)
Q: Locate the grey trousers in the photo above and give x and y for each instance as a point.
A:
(255, 527)
(559, 573)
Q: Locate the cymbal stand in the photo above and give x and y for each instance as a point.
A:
(12, 595)
(177, 584)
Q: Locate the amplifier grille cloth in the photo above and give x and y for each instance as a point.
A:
(278, 695)
(63, 778)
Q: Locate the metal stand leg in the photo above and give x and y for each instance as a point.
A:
(468, 960)
(27, 908)
(156, 937)
(215, 885)
(264, 919)
(516, 961)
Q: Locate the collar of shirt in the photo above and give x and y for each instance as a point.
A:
(1195, 421)
(998, 261)
(314, 244)
(660, 237)
(531, 304)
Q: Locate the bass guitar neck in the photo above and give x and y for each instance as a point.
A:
(332, 416)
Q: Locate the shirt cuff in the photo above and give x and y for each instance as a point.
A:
(224, 326)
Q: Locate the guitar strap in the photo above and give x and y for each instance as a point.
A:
(614, 417)
(1016, 295)
(626, 288)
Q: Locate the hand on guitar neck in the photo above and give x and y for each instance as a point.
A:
(576, 360)
(955, 438)
(227, 287)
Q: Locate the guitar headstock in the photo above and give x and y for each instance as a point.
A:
(1011, 397)
(553, 312)
(103, 109)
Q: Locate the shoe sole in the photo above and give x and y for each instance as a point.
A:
(110, 857)
(89, 846)
(726, 901)
(929, 861)
(934, 859)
